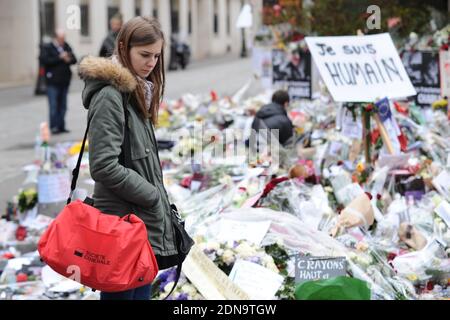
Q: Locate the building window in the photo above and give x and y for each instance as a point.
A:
(137, 8)
(190, 22)
(216, 17)
(174, 15)
(47, 19)
(84, 11)
(228, 18)
(155, 9)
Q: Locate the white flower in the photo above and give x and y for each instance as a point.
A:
(212, 245)
(228, 257)
(189, 289)
(226, 180)
(219, 252)
(202, 246)
(268, 262)
(245, 250)
(168, 287)
(280, 242)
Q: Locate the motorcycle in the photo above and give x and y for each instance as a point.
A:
(180, 55)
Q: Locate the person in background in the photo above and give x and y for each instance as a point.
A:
(274, 116)
(56, 57)
(108, 44)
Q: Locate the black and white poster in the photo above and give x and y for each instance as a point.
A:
(292, 70)
(423, 70)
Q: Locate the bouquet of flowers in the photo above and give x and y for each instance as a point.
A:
(183, 291)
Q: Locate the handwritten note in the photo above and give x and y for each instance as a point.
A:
(313, 268)
(53, 187)
(230, 230)
(258, 282)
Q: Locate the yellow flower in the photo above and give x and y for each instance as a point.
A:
(360, 167)
(412, 277)
(76, 148)
(442, 103)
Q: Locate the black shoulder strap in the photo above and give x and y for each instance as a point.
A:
(124, 157)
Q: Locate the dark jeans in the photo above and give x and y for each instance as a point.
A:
(57, 100)
(140, 293)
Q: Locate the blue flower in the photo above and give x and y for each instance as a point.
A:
(182, 296)
(256, 260)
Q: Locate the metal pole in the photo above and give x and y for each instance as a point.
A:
(244, 46)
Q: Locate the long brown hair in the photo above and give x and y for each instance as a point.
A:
(141, 31)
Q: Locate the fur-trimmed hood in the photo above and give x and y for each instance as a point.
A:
(100, 72)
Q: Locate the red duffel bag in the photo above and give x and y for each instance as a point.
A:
(101, 251)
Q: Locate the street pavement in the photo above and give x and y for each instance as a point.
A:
(21, 112)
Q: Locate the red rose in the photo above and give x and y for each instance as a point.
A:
(391, 256)
(8, 255)
(186, 182)
(214, 95)
(374, 136)
(272, 184)
(21, 277)
(21, 233)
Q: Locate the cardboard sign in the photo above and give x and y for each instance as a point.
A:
(209, 280)
(293, 71)
(258, 282)
(423, 70)
(360, 68)
(444, 69)
(53, 187)
(309, 268)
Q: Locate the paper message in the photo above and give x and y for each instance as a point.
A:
(231, 230)
(309, 268)
(258, 282)
(53, 187)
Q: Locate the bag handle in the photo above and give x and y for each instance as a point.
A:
(124, 157)
(175, 283)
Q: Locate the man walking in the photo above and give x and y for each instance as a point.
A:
(56, 57)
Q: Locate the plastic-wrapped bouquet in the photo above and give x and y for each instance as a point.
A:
(183, 291)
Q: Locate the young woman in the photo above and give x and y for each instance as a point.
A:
(132, 81)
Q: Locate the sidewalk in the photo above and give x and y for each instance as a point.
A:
(21, 112)
(20, 94)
